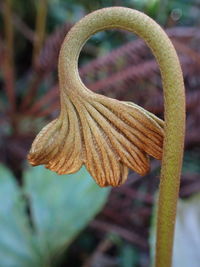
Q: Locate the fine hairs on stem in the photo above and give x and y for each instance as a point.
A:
(110, 136)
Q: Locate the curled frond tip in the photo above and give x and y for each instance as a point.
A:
(106, 135)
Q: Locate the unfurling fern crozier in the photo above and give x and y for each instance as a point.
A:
(106, 135)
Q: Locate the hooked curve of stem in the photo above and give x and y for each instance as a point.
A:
(174, 103)
(109, 136)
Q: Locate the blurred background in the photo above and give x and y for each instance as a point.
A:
(51, 220)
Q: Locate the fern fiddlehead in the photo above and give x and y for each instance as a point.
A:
(110, 136)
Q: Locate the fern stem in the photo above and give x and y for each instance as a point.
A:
(40, 29)
(174, 99)
(37, 46)
(9, 54)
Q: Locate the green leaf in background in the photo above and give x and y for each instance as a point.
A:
(16, 240)
(187, 233)
(129, 256)
(60, 207)
(187, 237)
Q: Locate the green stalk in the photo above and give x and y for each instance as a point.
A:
(174, 100)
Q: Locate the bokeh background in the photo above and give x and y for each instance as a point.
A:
(51, 220)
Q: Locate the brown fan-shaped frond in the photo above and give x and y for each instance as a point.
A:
(106, 135)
